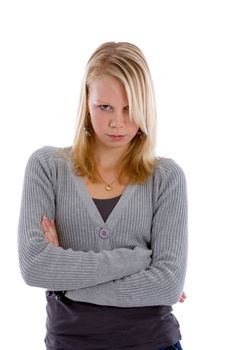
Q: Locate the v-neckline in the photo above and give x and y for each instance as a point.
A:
(93, 210)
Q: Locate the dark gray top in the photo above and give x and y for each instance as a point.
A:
(105, 206)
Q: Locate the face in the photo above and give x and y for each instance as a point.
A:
(109, 112)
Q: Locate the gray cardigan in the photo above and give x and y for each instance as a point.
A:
(136, 258)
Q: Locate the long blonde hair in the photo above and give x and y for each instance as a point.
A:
(126, 63)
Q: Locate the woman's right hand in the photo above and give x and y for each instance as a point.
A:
(50, 231)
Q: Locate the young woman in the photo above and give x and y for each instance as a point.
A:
(103, 224)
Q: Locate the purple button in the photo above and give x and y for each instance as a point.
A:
(103, 233)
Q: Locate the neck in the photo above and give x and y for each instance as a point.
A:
(108, 159)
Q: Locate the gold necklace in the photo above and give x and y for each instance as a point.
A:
(107, 186)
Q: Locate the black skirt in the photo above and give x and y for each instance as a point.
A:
(73, 325)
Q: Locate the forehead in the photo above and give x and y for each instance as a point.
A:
(107, 89)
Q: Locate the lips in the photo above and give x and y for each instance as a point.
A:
(116, 137)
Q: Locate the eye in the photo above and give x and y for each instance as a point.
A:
(105, 107)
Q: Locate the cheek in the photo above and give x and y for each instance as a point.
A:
(133, 129)
(98, 123)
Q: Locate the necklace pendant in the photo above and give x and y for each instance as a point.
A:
(108, 187)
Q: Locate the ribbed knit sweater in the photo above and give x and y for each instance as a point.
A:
(136, 258)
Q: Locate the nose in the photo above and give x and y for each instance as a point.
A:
(117, 120)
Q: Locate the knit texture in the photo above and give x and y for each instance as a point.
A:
(141, 258)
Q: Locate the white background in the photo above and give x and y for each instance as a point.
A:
(188, 44)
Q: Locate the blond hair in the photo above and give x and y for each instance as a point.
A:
(126, 63)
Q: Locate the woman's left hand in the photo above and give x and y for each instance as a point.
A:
(50, 231)
(183, 297)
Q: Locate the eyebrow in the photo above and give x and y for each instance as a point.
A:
(102, 102)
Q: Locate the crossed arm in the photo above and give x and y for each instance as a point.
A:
(50, 235)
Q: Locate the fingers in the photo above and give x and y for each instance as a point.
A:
(183, 297)
(44, 224)
(53, 224)
(50, 232)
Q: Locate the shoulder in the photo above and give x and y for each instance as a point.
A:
(168, 166)
(167, 170)
(48, 157)
(50, 153)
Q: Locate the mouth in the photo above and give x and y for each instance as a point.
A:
(116, 137)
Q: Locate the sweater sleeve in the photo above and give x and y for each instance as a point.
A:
(55, 268)
(163, 282)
